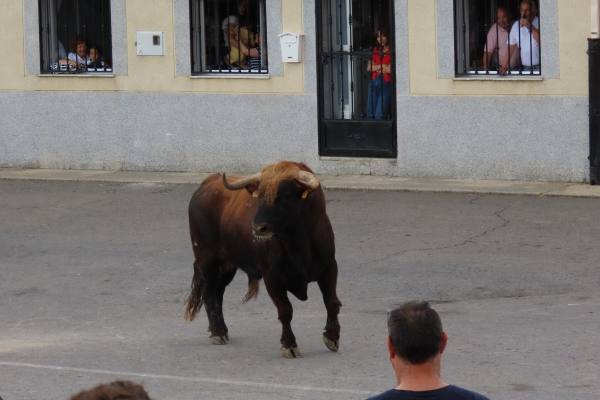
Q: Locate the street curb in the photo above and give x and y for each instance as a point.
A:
(330, 182)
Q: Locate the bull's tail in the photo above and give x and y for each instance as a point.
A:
(194, 300)
(253, 286)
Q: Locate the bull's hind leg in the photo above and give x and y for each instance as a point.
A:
(327, 284)
(289, 347)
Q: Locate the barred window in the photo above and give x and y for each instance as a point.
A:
(75, 36)
(228, 37)
(497, 37)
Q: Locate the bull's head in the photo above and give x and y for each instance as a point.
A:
(282, 190)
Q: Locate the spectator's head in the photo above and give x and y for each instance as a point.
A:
(80, 47)
(94, 54)
(242, 7)
(528, 9)
(230, 27)
(117, 390)
(502, 17)
(381, 37)
(415, 334)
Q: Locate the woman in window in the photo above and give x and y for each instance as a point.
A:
(239, 38)
(380, 84)
(78, 57)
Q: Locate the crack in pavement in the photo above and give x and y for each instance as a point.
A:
(470, 240)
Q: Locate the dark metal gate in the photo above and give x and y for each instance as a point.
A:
(356, 79)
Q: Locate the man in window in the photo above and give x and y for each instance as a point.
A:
(525, 37)
(495, 53)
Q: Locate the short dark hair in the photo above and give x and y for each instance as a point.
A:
(117, 390)
(415, 330)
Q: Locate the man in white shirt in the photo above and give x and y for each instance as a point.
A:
(525, 37)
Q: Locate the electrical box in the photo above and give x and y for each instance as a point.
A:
(291, 47)
(150, 44)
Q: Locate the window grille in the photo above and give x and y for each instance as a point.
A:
(228, 37)
(490, 41)
(75, 36)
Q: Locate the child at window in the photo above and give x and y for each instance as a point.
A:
(95, 58)
(380, 84)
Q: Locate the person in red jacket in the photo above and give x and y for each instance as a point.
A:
(380, 84)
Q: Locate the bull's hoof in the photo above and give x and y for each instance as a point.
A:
(332, 345)
(290, 352)
(219, 340)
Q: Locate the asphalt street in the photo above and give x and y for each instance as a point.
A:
(93, 277)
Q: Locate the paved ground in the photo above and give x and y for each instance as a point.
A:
(93, 277)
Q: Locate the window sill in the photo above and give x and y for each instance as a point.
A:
(231, 76)
(85, 75)
(498, 78)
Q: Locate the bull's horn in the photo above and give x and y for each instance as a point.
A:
(307, 179)
(242, 183)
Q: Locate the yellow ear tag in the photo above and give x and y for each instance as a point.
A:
(255, 193)
(305, 194)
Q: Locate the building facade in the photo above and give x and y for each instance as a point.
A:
(201, 106)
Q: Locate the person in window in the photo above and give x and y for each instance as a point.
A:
(495, 52)
(239, 37)
(78, 57)
(95, 58)
(525, 37)
(380, 84)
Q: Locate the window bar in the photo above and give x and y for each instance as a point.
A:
(373, 48)
(509, 64)
(530, 49)
(361, 64)
(465, 38)
(49, 41)
(498, 49)
(69, 46)
(239, 40)
(52, 33)
(331, 57)
(98, 62)
(220, 57)
(341, 55)
(228, 37)
(52, 37)
(485, 29)
(43, 46)
(520, 51)
(264, 54)
(200, 17)
(350, 56)
(539, 46)
(256, 36)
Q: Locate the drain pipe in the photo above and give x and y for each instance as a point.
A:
(594, 93)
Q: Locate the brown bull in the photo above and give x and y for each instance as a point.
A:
(273, 226)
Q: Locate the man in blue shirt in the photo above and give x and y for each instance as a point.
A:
(416, 342)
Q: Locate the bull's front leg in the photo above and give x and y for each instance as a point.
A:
(278, 294)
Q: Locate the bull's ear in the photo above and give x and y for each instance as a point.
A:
(305, 194)
(252, 189)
